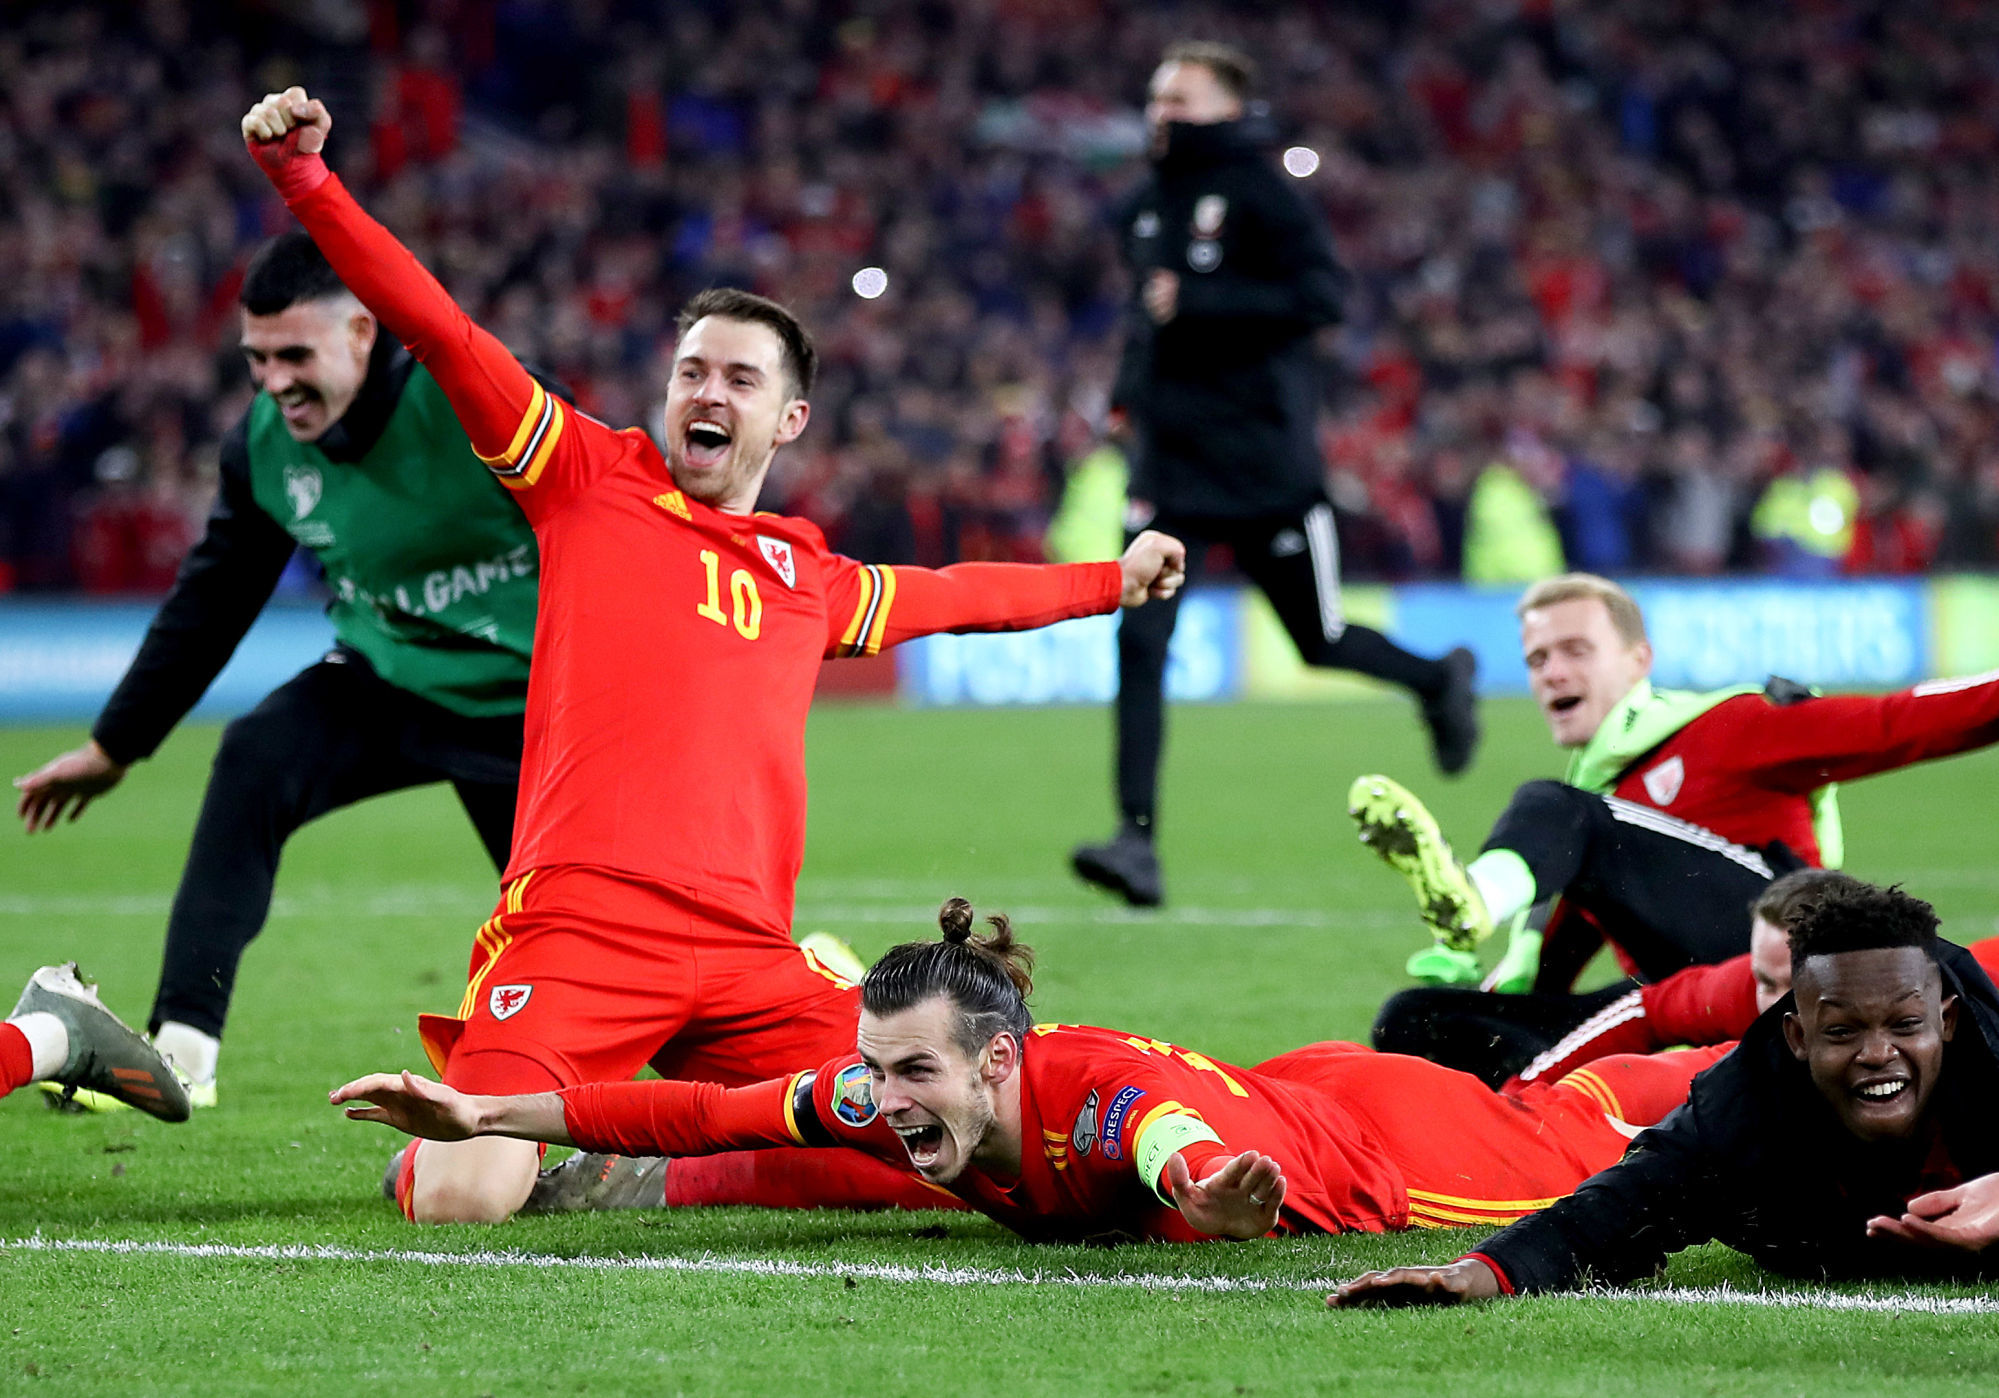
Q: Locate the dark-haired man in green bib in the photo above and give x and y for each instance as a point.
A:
(351, 452)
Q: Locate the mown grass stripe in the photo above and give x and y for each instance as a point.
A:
(708, 1263)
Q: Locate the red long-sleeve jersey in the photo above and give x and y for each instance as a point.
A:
(676, 645)
(1367, 1142)
(1746, 769)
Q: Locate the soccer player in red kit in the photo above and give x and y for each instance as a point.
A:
(646, 913)
(1068, 1132)
(1676, 811)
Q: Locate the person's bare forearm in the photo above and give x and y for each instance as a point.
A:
(533, 1116)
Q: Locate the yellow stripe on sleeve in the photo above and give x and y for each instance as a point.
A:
(537, 402)
(791, 1111)
(880, 628)
(848, 637)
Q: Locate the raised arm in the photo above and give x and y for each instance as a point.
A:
(514, 425)
(873, 606)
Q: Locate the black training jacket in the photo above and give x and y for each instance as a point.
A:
(1224, 397)
(1757, 1159)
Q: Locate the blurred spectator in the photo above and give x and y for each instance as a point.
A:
(1671, 245)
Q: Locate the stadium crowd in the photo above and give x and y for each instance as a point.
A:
(1685, 287)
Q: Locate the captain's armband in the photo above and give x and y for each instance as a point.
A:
(1164, 1137)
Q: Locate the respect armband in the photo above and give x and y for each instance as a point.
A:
(1163, 1138)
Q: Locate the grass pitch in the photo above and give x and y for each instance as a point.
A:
(1280, 930)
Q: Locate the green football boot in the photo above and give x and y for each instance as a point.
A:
(1396, 826)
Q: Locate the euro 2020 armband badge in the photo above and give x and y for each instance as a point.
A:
(854, 1095)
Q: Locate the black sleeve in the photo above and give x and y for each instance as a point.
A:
(222, 585)
(1297, 277)
(1623, 1222)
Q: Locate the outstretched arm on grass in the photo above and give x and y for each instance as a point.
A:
(420, 1107)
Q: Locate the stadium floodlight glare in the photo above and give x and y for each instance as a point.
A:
(1301, 161)
(870, 282)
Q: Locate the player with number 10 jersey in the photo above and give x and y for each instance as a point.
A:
(646, 913)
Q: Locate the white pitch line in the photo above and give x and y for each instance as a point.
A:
(709, 1264)
(706, 1263)
(1809, 1300)
(463, 906)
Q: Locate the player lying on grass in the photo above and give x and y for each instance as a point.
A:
(1702, 1005)
(61, 1032)
(1676, 810)
(646, 910)
(1850, 1135)
(1068, 1132)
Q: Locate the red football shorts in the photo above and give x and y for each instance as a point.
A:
(586, 975)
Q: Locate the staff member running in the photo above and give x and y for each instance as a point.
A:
(1221, 383)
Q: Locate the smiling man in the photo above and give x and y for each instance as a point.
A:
(349, 451)
(1851, 1134)
(646, 911)
(1064, 1132)
(1677, 810)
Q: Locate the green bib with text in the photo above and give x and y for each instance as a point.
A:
(432, 567)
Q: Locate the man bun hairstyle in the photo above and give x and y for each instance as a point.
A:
(800, 358)
(1571, 587)
(1863, 917)
(287, 270)
(1233, 69)
(987, 979)
(1785, 900)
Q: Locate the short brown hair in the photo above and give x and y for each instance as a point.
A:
(801, 360)
(1233, 69)
(1785, 900)
(1571, 587)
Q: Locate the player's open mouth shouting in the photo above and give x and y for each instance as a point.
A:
(705, 441)
(924, 1141)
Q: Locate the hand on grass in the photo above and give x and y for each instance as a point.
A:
(1465, 1280)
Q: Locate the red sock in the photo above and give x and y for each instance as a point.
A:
(830, 1178)
(17, 1059)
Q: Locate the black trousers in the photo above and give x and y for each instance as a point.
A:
(1670, 893)
(1295, 560)
(334, 734)
(1490, 1036)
